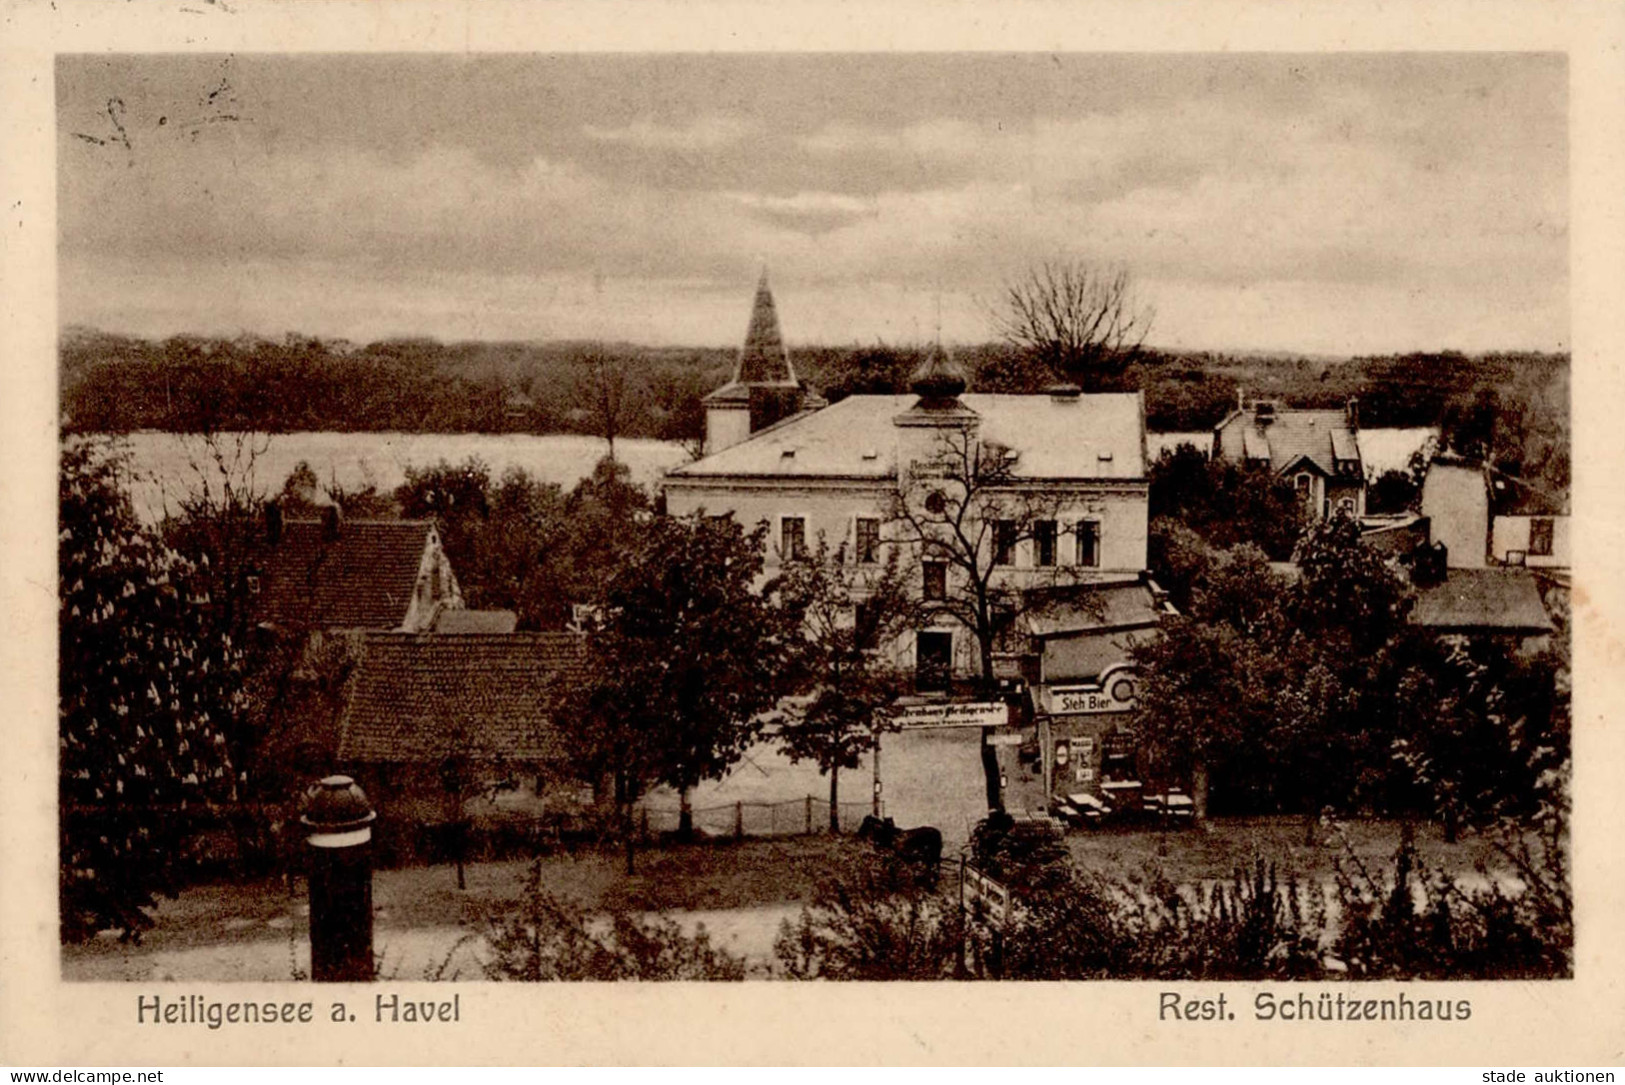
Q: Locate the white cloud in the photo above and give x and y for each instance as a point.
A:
(707, 133)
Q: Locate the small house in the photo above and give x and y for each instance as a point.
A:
(1318, 451)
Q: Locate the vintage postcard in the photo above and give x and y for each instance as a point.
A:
(700, 535)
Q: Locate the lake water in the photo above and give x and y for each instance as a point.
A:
(167, 465)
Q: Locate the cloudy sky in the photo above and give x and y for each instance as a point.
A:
(1313, 203)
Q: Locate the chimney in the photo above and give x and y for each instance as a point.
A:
(1351, 412)
(1063, 394)
(1263, 412)
(332, 522)
(273, 522)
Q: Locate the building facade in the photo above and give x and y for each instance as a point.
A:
(1022, 494)
(1317, 451)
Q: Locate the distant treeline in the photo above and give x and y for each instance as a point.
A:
(114, 383)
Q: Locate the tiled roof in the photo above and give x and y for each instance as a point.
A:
(461, 620)
(422, 697)
(1323, 437)
(361, 579)
(1489, 600)
(1086, 436)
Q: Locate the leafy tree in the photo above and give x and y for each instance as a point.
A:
(1080, 322)
(1346, 595)
(1284, 691)
(149, 692)
(685, 657)
(596, 541)
(846, 682)
(1225, 502)
(1393, 491)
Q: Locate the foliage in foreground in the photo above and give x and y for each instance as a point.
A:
(1407, 923)
(149, 690)
(546, 938)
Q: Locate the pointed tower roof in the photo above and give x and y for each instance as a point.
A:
(763, 359)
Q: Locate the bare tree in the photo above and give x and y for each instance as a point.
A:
(604, 388)
(1083, 322)
(967, 510)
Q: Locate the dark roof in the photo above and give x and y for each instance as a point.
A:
(763, 359)
(362, 578)
(419, 697)
(1491, 600)
(460, 620)
(1324, 437)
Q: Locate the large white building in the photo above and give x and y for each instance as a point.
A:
(1063, 520)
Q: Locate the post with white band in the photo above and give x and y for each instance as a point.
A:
(339, 818)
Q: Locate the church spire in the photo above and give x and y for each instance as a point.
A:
(763, 359)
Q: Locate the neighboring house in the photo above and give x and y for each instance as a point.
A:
(333, 574)
(1537, 542)
(835, 472)
(1487, 602)
(1085, 692)
(1456, 503)
(1318, 451)
(420, 702)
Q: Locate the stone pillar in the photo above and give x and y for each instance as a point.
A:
(339, 818)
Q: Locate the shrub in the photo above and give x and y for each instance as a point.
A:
(541, 937)
(873, 921)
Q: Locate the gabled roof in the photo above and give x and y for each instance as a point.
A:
(362, 577)
(420, 698)
(1323, 436)
(1491, 600)
(462, 620)
(1085, 437)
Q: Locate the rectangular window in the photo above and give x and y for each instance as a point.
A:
(1044, 543)
(1089, 544)
(792, 538)
(933, 659)
(1004, 542)
(935, 584)
(868, 540)
(1540, 536)
(865, 633)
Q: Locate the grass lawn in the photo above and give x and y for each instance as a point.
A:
(1198, 853)
(700, 877)
(723, 876)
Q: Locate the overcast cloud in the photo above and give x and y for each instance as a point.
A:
(1326, 204)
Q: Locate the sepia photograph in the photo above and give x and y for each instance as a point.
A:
(842, 516)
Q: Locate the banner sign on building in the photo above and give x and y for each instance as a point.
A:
(971, 714)
(1113, 693)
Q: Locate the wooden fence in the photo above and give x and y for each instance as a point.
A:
(792, 817)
